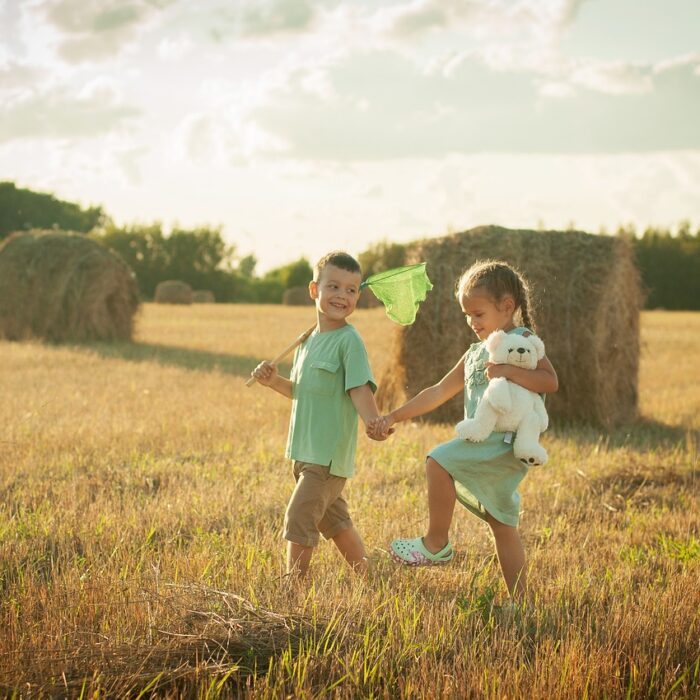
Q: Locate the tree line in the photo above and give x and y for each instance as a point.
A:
(199, 256)
(669, 261)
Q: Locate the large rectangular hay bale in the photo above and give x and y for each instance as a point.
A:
(586, 300)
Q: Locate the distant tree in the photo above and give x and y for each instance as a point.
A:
(382, 256)
(669, 265)
(246, 266)
(22, 209)
(199, 257)
(192, 255)
(143, 248)
(291, 275)
(297, 274)
(267, 291)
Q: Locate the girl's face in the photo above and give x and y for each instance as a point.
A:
(485, 315)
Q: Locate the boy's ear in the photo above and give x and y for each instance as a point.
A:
(313, 290)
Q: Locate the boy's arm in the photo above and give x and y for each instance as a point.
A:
(363, 400)
(542, 380)
(266, 374)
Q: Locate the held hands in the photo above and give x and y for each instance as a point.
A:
(265, 373)
(380, 428)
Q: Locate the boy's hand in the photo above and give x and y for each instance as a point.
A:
(265, 373)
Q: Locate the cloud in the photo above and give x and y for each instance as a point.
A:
(260, 19)
(128, 161)
(221, 137)
(57, 113)
(274, 16)
(613, 78)
(380, 105)
(483, 19)
(91, 30)
(174, 48)
(14, 74)
(10, 41)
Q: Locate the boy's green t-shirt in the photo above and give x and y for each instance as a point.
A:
(323, 423)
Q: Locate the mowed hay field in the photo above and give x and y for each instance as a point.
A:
(143, 488)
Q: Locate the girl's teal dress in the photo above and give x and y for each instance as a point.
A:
(486, 474)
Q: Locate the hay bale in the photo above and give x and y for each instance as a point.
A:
(61, 286)
(203, 296)
(297, 296)
(586, 298)
(173, 292)
(368, 300)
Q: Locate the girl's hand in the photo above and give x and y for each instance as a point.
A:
(265, 373)
(385, 423)
(494, 371)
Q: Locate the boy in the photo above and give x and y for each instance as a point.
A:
(330, 383)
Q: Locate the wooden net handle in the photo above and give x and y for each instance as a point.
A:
(300, 339)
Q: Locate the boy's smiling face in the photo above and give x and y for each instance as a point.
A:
(336, 293)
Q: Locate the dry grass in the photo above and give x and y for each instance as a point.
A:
(143, 488)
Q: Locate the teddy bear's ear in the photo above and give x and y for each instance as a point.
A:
(538, 345)
(494, 340)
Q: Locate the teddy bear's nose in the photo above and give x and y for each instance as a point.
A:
(521, 350)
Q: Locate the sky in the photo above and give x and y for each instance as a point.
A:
(303, 126)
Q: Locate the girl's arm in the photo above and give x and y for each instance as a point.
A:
(432, 397)
(542, 380)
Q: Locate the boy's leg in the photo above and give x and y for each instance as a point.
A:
(349, 544)
(337, 525)
(305, 508)
(441, 505)
(298, 558)
(511, 556)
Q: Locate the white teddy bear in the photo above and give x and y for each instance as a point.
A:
(509, 407)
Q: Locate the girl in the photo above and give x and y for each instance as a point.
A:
(484, 476)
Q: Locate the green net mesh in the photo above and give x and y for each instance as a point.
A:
(401, 290)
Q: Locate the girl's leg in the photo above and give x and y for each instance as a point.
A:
(511, 556)
(441, 505)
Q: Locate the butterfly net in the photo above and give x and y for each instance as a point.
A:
(401, 290)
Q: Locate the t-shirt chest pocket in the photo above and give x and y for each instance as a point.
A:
(322, 377)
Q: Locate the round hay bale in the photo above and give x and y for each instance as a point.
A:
(586, 300)
(367, 299)
(203, 296)
(173, 292)
(61, 286)
(297, 296)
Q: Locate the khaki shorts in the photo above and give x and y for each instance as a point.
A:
(315, 506)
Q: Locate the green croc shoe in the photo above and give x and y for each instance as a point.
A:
(414, 553)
